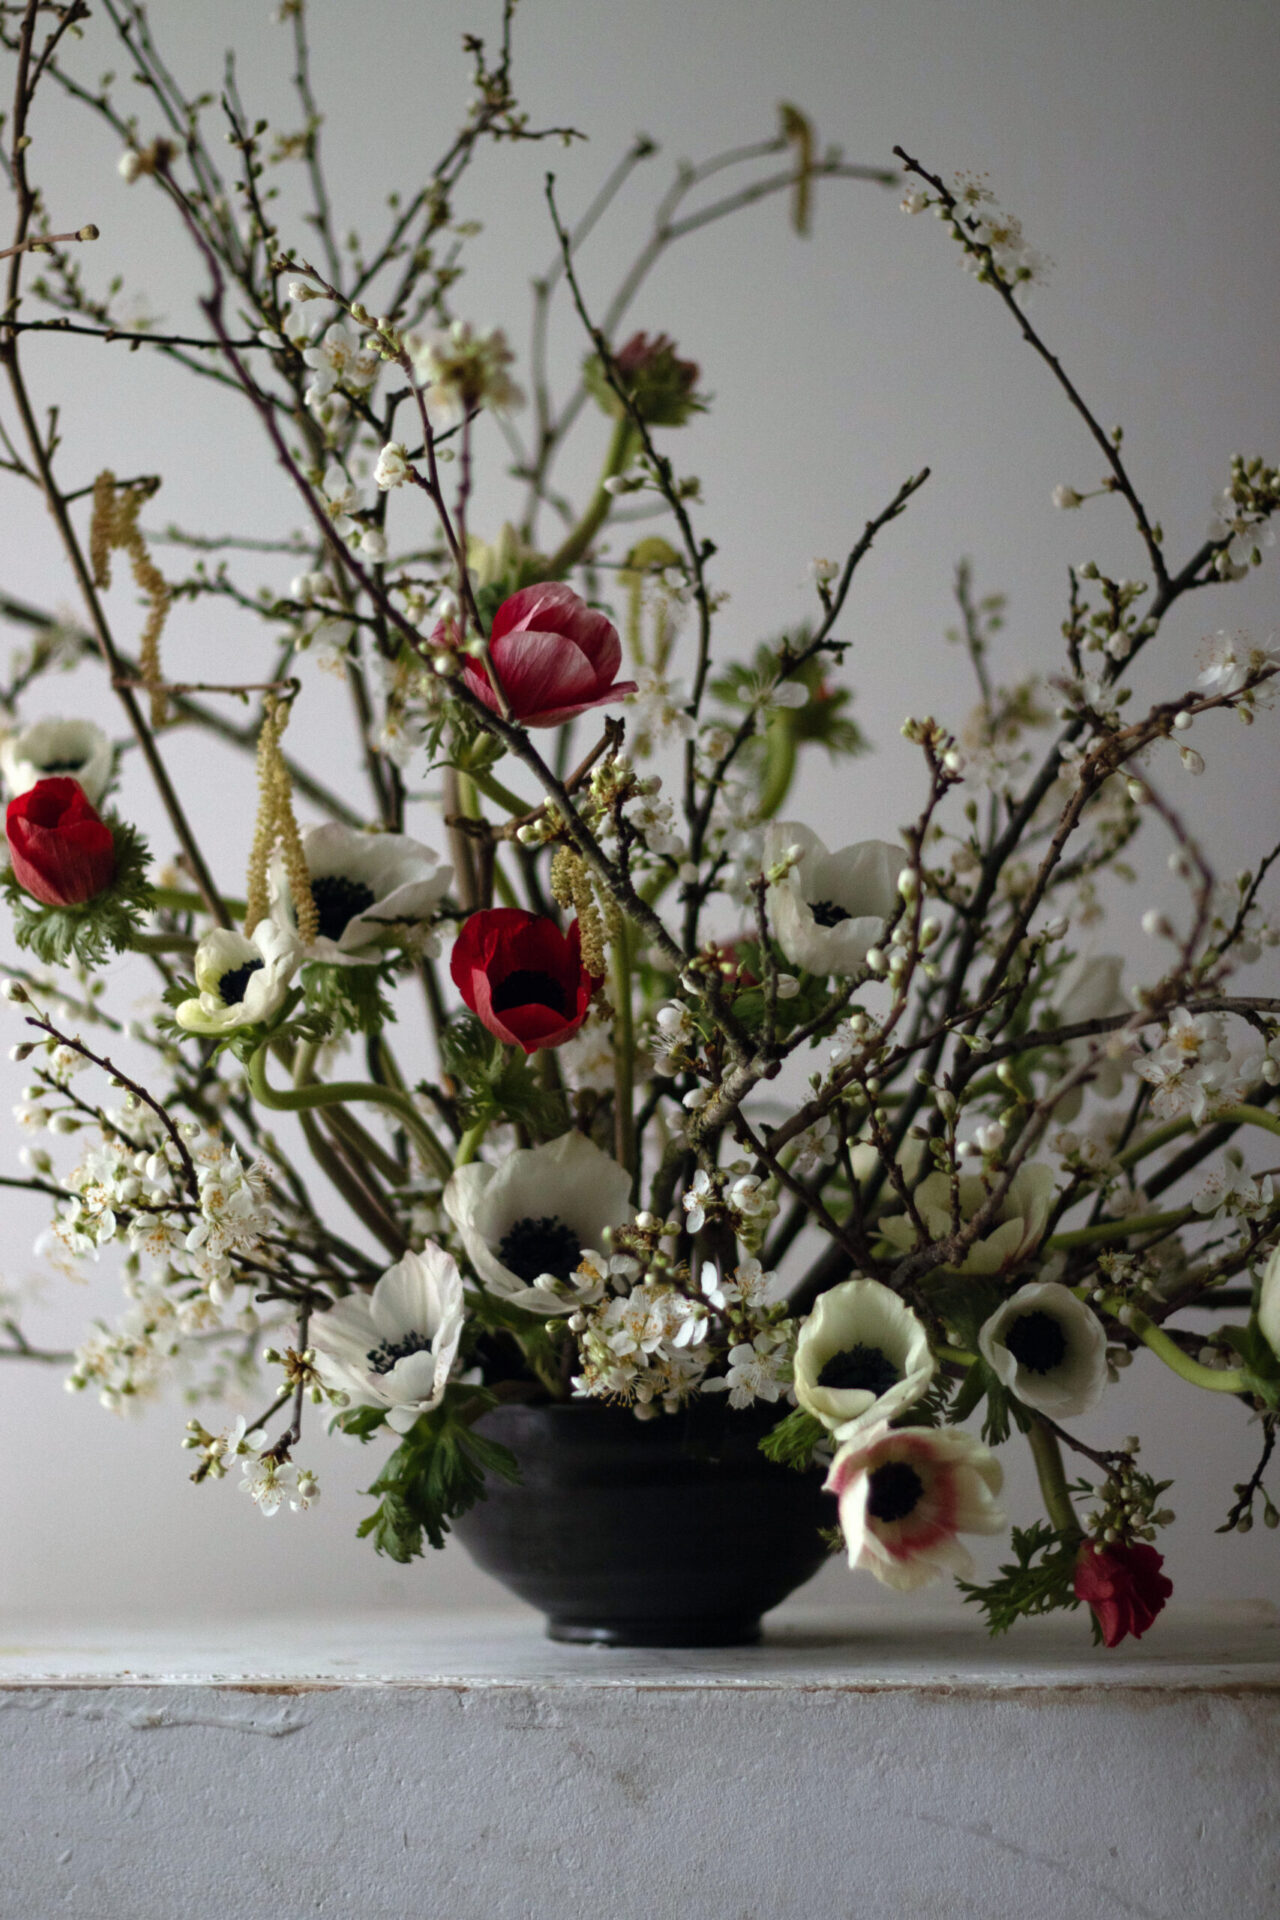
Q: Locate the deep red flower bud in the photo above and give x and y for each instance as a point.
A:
(554, 655)
(1123, 1585)
(62, 852)
(522, 977)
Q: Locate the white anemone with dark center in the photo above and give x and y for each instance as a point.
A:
(1048, 1348)
(395, 1347)
(829, 910)
(907, 1494)
(532, 1218)
(51, 749)
(371, 891)
(862, 1356)
(241, 981)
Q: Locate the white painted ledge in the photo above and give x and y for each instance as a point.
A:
(470, 1770)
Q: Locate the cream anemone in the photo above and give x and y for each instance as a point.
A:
(241, 981)
(533, 1218)
(371, 890)
(906, 1495)
(395, 1347)
(829, 909)
(862, 1357)
(73, 749)
(1013, 1235)
(1048, 1349)
(1269, 1303)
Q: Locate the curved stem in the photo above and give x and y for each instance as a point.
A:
(1212, 1379)
(337, 1093)
(469, 1145)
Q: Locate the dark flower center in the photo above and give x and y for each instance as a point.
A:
(338, 901)
(860, 1367)
(381, 1359)
(1036, 1342)
(525, 987)
(896, 1489)
(534, 1246)
(65, 766)
(234, 983)
(827, 913)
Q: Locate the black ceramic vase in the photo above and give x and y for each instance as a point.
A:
(672, 1532)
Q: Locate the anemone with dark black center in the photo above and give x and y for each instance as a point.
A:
(827, 913)
(382, 1358)
(1036, 1341)
(524, 988)
(895, 1491)
(338, 900)
(234, 983)
(532, 1247)
(866, 1369)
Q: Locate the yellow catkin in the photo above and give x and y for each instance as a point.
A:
(564, 869)
(277, 825)
(102, 527)
(590, 925)
(115, 525)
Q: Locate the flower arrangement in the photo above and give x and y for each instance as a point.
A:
(863, 1136)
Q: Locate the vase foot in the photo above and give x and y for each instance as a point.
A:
(717, 1631)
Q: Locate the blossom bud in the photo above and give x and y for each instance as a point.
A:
(1067, 497)
(14, 991)
(1191, 760)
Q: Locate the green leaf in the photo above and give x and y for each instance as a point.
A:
(436, 1473)
(499, 1082)
(1038, 1580)
(94, 930)
(793, 1441)
(350, 999)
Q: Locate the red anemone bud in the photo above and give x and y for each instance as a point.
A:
(1123, 1585)
(522, 977)
(554, 655)
(62, 852)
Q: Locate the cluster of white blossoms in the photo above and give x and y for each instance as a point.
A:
(1231, 1189)
(648, 1342)
(129, 1363)
(1190, 1068)
(656, 712)
(1231, 660)
(338, 359)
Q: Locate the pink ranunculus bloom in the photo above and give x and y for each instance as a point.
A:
(554, 655)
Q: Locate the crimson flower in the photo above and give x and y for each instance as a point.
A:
(1123, 1585)
(554, 655)
(522, 977)
(62, 852)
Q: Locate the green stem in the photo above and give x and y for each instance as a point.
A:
(1241, 1116)
(1106, 1230)
(177, 900)
(780, 764)
(1047, 1455)
(622, 449)
(469, 1145)
(1212, 1379)
(338, 1093)
(494, 790)
(162, 943)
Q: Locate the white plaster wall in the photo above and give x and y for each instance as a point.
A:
(1137, 145)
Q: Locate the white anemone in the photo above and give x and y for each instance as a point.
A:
(74, 749)
(372, 890)
(862, 1356)
(1269, 1303)
(395, 1347)
(830, 908)
(241, 981)
(904, 1497)
(1015, 1233)
(534, 1216)
(1048, 1349)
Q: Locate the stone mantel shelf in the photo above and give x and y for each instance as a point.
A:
(871, 1768)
